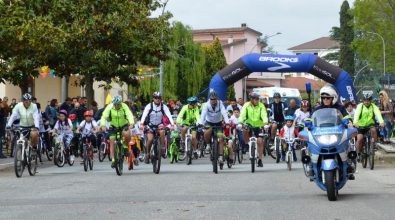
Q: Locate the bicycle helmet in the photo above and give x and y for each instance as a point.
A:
(72, 117)
(192, 99)
(88, 113)
(304, 103)
(276, 94)
(64, 112)
(157, 95)
(367, 96)
(213, 95)
(253, 95)
(116, 100)
(27, 97)
(329, 91)
(289, 118)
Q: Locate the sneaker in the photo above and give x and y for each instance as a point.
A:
(136, 162)
(72, 158)
(221, 159)
(351, 177)
(260, 164)
(146, 160)
(195, 154)
(113, 164)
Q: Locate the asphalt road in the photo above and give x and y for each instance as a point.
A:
(191, 192)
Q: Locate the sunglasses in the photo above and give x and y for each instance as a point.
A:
(326, 98)
(157, 97)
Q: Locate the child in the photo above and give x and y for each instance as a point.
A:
(64, 127)
(88, 128)
(302, 114)
(288, 132)
(234, 121)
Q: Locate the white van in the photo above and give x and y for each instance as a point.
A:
(266, 93)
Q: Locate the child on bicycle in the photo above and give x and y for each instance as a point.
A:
(88, 129)
(288, 132)
(64, 127)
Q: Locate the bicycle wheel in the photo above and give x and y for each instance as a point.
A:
(102, 151)
(119, 159)
(189, 151)
(364, 156)
(68, 156)
(90, 158)
(18, 163)
(289, 161)
(32, 162)
(157, 156)
(268, 148)
(278, 150)
(40, 149)
(214, 156)
(59, 158)
(48, 153)
(252, 159)
(85, 157)
(371, 156)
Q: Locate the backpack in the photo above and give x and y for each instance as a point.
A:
(165, 120)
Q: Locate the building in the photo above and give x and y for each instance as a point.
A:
(236, 42)
(321, 47)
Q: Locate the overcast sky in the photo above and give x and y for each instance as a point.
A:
(299, 21)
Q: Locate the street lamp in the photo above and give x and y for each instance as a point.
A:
(382, 38)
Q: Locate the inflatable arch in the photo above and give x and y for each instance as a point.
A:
(310, 63)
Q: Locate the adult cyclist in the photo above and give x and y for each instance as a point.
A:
(213, 113)
(277, 108)
(364, 120)
(120, 117)
(29, 117)
(189, 116)
(156, 114)
(254, 114)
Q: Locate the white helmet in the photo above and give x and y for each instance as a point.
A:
(329, 91)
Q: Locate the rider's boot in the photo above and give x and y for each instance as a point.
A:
(260, 164)
(294, 155)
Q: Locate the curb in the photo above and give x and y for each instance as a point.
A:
(381, 155)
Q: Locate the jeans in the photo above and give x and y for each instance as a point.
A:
(388, 128)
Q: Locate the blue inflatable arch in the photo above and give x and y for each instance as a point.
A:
(310, 63)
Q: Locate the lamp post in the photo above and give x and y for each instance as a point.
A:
(245, 78)
(382, 39)
(161, 62)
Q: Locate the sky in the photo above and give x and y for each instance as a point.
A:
(299, 21)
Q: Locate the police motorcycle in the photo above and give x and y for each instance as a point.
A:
(328, 151)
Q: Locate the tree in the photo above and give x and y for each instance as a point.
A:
(345, 36)
(375, 16)
(184, 69)
(215, 61)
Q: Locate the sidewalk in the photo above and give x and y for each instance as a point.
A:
(386, 152)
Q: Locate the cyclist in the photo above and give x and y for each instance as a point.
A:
(364, 120)
(277, 108)
(156, 114)
(254, 114)
(302, 114)
(188, 116)
(88, 129)
(29, 117)
(213, 113)
(64, 127)
(288, 132)
(120, 117)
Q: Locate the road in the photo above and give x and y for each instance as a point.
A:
(191, 192)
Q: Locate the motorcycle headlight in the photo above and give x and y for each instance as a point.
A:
(327, 139)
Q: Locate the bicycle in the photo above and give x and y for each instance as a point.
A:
(188, 145)
(237, 150)
(253, 148)
(289, 154)
(8, 143)
(119, 153)
(226, 158)
(368, 151)
(87, 153)
(174, 147)
(155, 149)
(61, 154)
(104, 149)
(25, 154)
(214, 154)
(201, 142)
(43, 147)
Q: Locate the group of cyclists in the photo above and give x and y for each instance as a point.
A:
(253, 118)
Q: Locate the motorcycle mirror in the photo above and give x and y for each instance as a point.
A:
(308, 125)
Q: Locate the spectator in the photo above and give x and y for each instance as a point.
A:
(79, 111)
(66, 105)
(290, 110)
(3, 116)
(233, 105)
(75, 100)
(386, 109)
(34, 100)
(350, 109)
(12, 105)
(95, 107)
(52, 112)
(241, 102)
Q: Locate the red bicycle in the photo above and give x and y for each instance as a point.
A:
(87, 154)
(104, 149)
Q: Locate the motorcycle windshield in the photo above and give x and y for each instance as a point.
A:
(327, 117)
